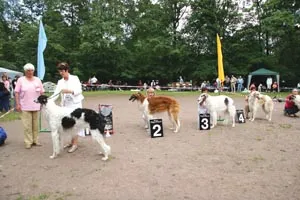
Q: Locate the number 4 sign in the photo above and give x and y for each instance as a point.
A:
(240, 116)
(156, 128)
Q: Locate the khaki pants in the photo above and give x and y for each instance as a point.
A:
(30, 123)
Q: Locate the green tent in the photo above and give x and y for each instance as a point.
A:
(263, 72)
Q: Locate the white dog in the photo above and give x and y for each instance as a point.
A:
(63, 120)
(296, 100)
(216, 105)
(256, 100)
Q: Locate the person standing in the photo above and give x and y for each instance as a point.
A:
(233, 83)
(4, 98)
(28, 89)
(269, 84)
(240, 83)
(71, 96)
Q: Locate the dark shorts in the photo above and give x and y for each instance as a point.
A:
(292, 110)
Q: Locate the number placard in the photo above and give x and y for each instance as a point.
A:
(204, 121)
(156, 128)
(240, 116)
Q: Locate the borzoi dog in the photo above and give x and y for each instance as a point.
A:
(63, 120)
(158, 104)
(296, 100)
(216, 105)
(256, 100)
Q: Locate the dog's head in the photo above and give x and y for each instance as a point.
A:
(42, 99)
(296, 100)
(136, 96)
(256, 94)
(202, 98)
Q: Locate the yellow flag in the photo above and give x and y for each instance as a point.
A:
(220, 60)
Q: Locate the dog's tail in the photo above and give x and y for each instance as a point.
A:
(226, 101)
(67, 122)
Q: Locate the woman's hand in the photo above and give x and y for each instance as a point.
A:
(18, 107)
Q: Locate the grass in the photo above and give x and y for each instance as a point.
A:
(257, 158)
(287, 126)
(12, 116)
(39, 197)
(16, 116)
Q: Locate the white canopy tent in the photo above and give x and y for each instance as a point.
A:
(10, 73)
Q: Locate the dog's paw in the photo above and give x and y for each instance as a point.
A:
(104, 158)
(233, 125)
(146, 127)
(52, 156)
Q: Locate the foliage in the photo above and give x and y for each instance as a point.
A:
(131, 40)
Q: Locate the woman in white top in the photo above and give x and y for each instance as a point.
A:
(71, 95)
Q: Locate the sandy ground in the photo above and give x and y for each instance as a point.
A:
(255, 160)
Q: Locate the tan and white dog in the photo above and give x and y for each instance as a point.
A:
(158, 104)
(256, 100)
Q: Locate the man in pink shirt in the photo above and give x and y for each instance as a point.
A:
(28, 89)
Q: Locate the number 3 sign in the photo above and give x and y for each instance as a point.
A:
(156, 128)
(204, 121)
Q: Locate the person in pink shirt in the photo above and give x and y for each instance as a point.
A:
(29, 88)
(5, 81)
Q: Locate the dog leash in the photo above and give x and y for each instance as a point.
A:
(6, 113)
(51, 97)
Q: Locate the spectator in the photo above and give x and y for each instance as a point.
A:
(275, 87)
(28, 89)
(290, 109)
(298, 85)
(240, 83)
(94, 80)
(233, 81)
(260, 87)
(4, 98)
(70, 88)
(227, 81)
(269, 84)
(6, 81)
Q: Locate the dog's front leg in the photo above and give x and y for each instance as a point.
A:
(55, 143)
(145, 120)
(99, 138)
(253, 114)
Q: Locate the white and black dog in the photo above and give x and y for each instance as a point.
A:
(216, 105)
(63, 120)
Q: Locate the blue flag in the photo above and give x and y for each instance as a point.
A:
(42, 43)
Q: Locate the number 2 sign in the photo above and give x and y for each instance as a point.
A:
(156, 128)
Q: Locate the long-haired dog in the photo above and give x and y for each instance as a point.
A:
(296, 100)
(216, 105)
(63, 120)
(256, 100)
(158, 104)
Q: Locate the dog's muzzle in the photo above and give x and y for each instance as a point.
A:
(132, 98)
